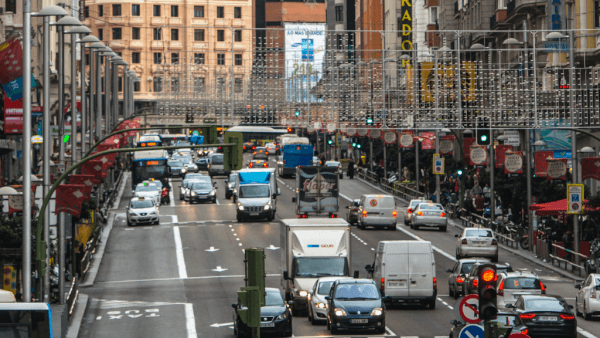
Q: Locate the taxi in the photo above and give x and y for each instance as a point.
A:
(142, 210)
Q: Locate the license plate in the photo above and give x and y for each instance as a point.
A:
(548, 319)
(396, 284)
(254, 214)
(267, 324)
(202, 197)
(359, 321)
(479, 243)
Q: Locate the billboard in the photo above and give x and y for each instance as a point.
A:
(304, 55)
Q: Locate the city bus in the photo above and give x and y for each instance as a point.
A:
(150, 164)
(174, 139)
(150, 140)
(25, 320)
(258, 135)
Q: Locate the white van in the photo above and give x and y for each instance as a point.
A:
(377, 211)
(405, 272)
(215, 166)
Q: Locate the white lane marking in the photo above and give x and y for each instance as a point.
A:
(212, 249)
(443, 253)
(171, 195)
(148, 228)
(219, 269)
(130, 229)
(272, 247)
(188, 278)
(346, 197)
(190, 321)
(585, 333)
(221, 324)
(390, 332)
(217, 200)
(179, 253)
(175, 219)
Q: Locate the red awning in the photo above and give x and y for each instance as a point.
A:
(551, 208)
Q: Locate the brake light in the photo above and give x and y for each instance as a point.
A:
(567, 317)
(526, 331)
(443, 214)
(459, 279)
(410, 210)
(382, 284)
(394, 213)
(265, 165)
(244, 147)
(527, 315)
(419, 213)
(302, 216)
(333, 216)
(544, 288)
(253, 147)
(464, 241)
(251, 164)
(501, 288)
(494, 242)
(364, 213)
(255, 153)
(434, 283)
(475, 282)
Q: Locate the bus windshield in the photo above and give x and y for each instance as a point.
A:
(22, 323)
(216, 159)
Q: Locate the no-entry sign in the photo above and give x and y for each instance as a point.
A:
(468, 309)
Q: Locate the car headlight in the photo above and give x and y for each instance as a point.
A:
(301, 293)
(183, 170)
(282, 316)
(153, 213)
(267, 207)
(320, 305)
(212, 193)
(240, 207)
(132, 214)
(377, 312)
(193, 193)
(340, 312)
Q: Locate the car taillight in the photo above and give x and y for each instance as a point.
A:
(567, 317)
(409, 210)
(302, 216)
(526, 331)
(265, 165)
(333, 216)
(459, 279)
(364, 213)
(253, 147)
(251, 164)
(464, 241)
(382, 284)
(419, 213)
(527, 315)
(592, 293)
(244, 147)
(255, 153)
(494, 242)
(394, 213)
(543, 287)
(501, 288)
(475, 282)
(443, 214)
(434, 283)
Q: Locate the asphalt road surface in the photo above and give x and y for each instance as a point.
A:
(179, 278)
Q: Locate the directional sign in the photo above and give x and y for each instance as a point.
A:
(438, 164)
(471, 331)
(468, 309)
(574, 198)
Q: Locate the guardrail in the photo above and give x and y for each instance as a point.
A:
(397, 189)
(72, 296)
(567, 263)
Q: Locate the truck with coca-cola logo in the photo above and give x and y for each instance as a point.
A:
(317, 191)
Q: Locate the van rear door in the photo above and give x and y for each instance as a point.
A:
(420, 269)
(395, 270)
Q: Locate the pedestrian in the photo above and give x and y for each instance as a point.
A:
(351, 169)
(567, 244)
(379, 174)
(487, 193)
(479, 204)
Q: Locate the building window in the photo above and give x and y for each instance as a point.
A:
(135, 33)
(433, 15)
(238, 59)
(198, 11)
(120, 84)
(87, 59)
(100, 34)
(174, 85)
(116, 10)
(100, 10)
(156, 10)
(238, 35)
(116, 33)
(157, 84)
(135, 57)
(174, 58)
(86, 12)
(157, 34)
(199, 58)
(136, 86)
(237, 12)
(174, 34)
(220, 35)
(157, 58)
(238, 85)
(220, 59)
(220, 12)
(596, 14)
(339, 13)
(198, 34)
(135, 10)
(199, 84)
(174, 11)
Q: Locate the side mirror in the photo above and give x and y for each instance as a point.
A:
(278, 191)
(293, 199)
(327, 298)
(347, 207)
(290, 302)
(509, 306)
(456, 235)
(368, 267)
(355, 273)
(449, 270)
(578, 286)
(234, 306)
(286, 275)
(454, 322)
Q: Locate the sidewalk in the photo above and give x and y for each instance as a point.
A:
(525, 254)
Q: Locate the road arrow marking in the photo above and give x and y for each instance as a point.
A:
(272, 247)
(219, 269)
(222, 324)
(212, 249)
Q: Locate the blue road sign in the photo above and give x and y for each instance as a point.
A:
(471, 331)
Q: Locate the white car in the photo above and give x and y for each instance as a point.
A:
(142, 210)
(316, 161)
(477, 242)
(317, 305)
(513, 284)
(271, 148)
(336, 164)
(586, 301)
(147, 190)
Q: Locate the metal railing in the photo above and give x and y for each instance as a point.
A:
(72, 296)
(567, 262)
(400, 190)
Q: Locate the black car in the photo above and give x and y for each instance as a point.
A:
(260, 153)
(176, 168)
(275, 316)
(249, 146)
(546, 316)
(355, 305)
(504, 321)
(469, 285)
(202, 192)
(230, 185)
(202, 164)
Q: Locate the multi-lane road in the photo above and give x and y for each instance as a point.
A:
(179, 278)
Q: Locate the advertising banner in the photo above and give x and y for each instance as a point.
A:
(446, 78)
(467, 143)
(376, 134)
(405, 140)
(590, 168)
(389, 137)
(501, 153)
(478, 155)
(304, 54)
(318, 189)
(556, 169)
(541, 165)
(513, 162)
(447, 145)
(428, 142)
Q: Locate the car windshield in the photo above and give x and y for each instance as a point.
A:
(217, 159)
(146, 187)
(507, 320)
(273, 298)
(466, 268)
(254, 191)
(424, 206)
(232, 178)
(522, 283)
(141, 204)
(356, 291)
(260, 149)
(321, 267)
(175, 164)
(549, 304)
(201, 186)
(324, 288)
(157, 183)
(332, 164)
(478, 233)
(192, 176)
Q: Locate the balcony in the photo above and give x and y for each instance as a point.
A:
(510, 7)
(432, 36)
(432, 3)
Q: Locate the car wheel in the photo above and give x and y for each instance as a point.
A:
(392, 227)
(128, 223)
(416, 226)
(240, 219)
(215, 201)
(586, 315)
(328, 325)
(361, 226)
(405, 222)
(456, 294)
(381, 329)
(577, 313)
(431, 304)
(443, 229)
(495, 259)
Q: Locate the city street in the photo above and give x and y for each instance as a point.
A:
(179, 278)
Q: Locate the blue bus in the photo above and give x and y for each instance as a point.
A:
(295, 155)
(150, 164)
(150, 140)
(25, 320)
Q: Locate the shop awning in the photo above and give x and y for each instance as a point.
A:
(551, 208)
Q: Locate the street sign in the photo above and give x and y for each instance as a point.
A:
(513, 138)
(468, 309)
(195, 133)
(574, 198)
(471, 331)
(438, 164)
(37, 139)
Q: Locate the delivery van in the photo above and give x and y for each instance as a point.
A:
(377, 211)
(405, 272)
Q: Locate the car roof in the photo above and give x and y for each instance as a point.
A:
(332, 279)
(139, 199)
(514, 274)
(418, 205)
(356, 281)
(530, 297)
(272, 290)
(474, 260)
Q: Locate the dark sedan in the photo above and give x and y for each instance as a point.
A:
(249, 146)
(458, 273)
(504, 321)
(275, 316)
(202, 164)
(546, 316)
(202, 192)
(470, 283)
(355, 305)
(352, 215)
(176, 168)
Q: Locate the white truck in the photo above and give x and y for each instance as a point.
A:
(312, 248)
(256, 194)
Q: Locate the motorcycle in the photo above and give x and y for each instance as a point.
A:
(165, 198)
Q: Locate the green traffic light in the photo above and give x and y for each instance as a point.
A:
(459, 172)
(297, 113)
(358, 146)
(369, 120)
(66, 138)
(354, 144)
(484, 138)
(330, 142)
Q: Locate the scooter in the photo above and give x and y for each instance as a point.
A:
(165, 198)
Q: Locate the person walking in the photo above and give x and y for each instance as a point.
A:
(351, 169)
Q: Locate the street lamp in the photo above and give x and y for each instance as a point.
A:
(92, 40)
(46, 13)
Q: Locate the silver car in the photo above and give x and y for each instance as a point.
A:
(317, 305)
(477, 242)
(428, 215)
(411, 207)
(147, 190)
(458, 273)
(142, 210)
(587, 302)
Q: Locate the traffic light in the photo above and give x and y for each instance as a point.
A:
(330, 142)
(232, 156)
(369, 120)
(483, 132)
(66, 138)
(353, 144)
(253, 296)
(297, 113)
(459, 172)
(486, 288)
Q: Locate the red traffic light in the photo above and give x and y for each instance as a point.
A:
(489, 276)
